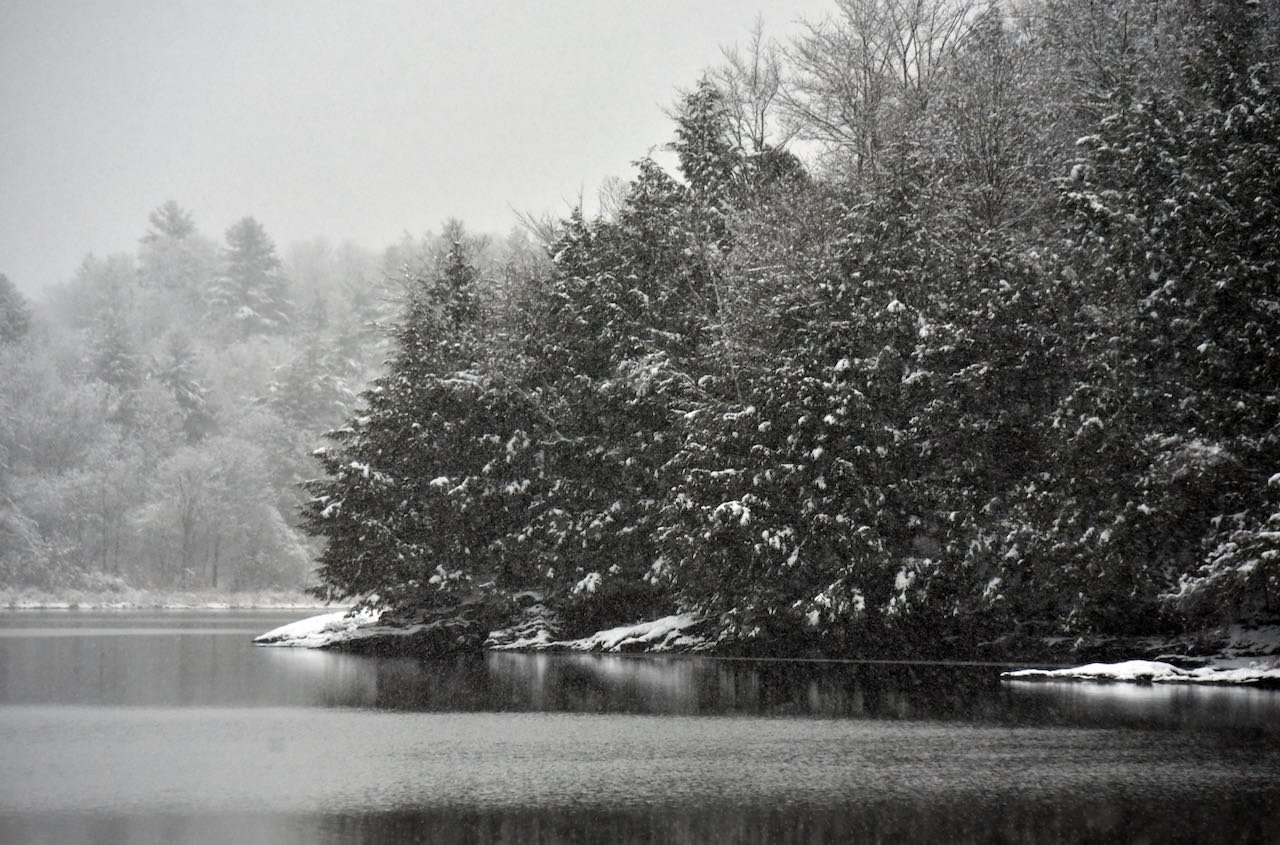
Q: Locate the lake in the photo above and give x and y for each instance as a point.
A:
(171, 727)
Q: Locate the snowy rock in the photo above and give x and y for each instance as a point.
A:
(669, 634)
(428, 633)
(320, 631)
(679, 633)
(459, 629)
(535, 630)
(1153, 671)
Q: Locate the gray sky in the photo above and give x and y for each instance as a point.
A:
(348, 120)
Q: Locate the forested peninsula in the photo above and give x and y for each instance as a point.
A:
(998, 361)
(943, 329)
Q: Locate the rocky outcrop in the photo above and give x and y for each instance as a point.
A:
(429, 632)
(477, 626)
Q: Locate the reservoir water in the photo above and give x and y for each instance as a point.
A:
(172, 727)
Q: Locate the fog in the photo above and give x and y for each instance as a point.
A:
(350, 121)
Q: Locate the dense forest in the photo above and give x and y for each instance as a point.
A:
(942, 320)
(1000, 352)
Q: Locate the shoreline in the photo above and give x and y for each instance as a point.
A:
(1240, 655)
(1245, 657)
(18, 601)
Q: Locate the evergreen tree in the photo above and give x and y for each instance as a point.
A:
(971, 378)
(415, 507)
(707, 158)
(169, 221)
(175, 369)
(174, 257)
(251, 293)
(15, 314)
(114, 357)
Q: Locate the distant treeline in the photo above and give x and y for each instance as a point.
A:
(955, 320)
(158, 410)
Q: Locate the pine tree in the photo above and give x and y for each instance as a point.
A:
(251, 293)
(169, 221)
(175, 369)
(1170, 423)
(174, 257)
(708, 160)
(114, 356)
(15, 314)
(429, 481)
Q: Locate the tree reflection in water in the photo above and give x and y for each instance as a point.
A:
(591, 683)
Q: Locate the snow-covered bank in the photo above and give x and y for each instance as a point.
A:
(670, 634)
(434, 632)
(320, 631)
(1156, 672)
(1238, 656)
(366, 630)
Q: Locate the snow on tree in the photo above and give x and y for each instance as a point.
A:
(964, 377)
(250, 293)
(15, 314)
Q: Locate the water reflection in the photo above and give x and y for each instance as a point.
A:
(1242, 710)
(704, 686)
(183, 667)
(205, 659)
(321, 678)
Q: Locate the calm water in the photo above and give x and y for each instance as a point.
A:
(172, 727)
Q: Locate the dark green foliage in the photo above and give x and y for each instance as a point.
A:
(969, 378)
(423, 484)
(1177, 203)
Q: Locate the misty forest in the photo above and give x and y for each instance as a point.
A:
(936, 323)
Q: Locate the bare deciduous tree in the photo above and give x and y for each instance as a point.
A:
(872, 66)
(750, 82)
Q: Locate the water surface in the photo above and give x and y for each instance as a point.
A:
(171, 726)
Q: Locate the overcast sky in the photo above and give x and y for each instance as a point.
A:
(347, 120)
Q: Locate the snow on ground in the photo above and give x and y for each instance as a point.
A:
(535, 630)
(1250, 657)
(318, 631)
(1154, 671)
(365, 629)
(537, 641)
(670, 633)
